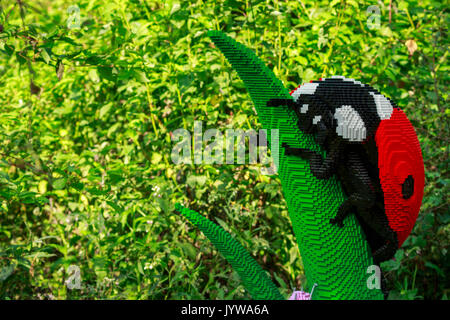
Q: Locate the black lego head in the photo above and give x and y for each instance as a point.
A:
(341, 108)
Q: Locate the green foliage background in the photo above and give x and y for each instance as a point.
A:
(86, 115)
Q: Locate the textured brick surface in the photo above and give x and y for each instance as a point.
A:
(334, 258)
(254, 278)
(400, 156)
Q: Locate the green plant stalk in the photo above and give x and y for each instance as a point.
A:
(255, 279)
(335, 258)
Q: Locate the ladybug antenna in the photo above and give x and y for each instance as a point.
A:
(281, 102)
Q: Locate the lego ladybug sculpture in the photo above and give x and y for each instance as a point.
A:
(371, 147)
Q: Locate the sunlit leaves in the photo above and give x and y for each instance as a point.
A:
(94, 130)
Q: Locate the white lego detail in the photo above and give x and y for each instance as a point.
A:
(316, 119)
(347, 79)
(304, 108)
(307, 88)
(384, 107)
(350, 126)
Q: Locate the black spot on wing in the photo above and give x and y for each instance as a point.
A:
(408, 187)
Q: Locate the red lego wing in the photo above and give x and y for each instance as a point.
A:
(399, 156)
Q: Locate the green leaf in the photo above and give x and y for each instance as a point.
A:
(45, 55)
(175, 7)
(108, 73)
(59, 69)
(140, 76)
(40, 254)
(59, 184)
(105, 110)
(20, 58)
(93, 75)
(435, 267)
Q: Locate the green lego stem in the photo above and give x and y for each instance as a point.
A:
(255, 279)
(335, 258)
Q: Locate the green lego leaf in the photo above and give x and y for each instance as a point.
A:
(335, 258)
(255, 279)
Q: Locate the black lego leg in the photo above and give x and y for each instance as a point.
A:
(363, 200)
(300, 152)
(320, 168)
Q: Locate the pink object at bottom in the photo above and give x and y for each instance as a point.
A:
(300, 295)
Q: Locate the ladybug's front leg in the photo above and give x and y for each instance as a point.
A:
(300, 152)
(320, 168)
(281, 102)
